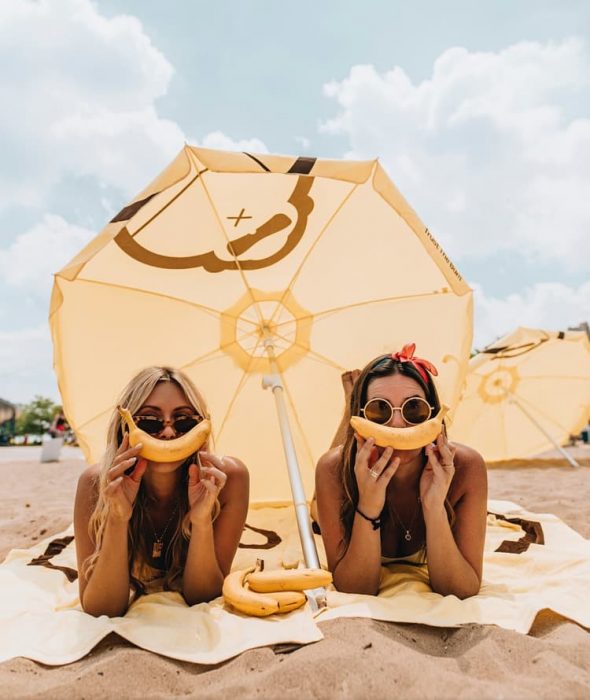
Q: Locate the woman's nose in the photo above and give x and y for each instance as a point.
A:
(168, 433)
(397, 421)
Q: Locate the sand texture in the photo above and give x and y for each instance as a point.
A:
(358, 658)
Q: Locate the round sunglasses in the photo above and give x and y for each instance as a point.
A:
(153, 425)
(414, 410)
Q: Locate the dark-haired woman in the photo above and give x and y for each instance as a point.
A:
(377, 506)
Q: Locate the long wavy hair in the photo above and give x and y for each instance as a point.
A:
(382, 366)
(140, 571)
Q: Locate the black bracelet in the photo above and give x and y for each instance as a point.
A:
(375, 522)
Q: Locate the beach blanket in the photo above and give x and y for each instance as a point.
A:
(41, 617)
(532, 562)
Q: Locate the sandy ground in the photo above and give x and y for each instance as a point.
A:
(357, 658)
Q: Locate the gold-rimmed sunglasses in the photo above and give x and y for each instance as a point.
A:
(414, 410)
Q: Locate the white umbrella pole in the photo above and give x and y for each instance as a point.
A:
(557, 446)
(274, 382)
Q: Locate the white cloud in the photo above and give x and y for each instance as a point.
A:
(304, 142)
(493, 150)
(25, 364)
(551, 306)
(217, 139)
(79, 91)
(28, 264)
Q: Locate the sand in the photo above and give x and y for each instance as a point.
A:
(358, 658)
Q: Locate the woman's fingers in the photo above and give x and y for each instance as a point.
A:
(193, 475)
(364, 451)
(112, 486)
(211, 459)
(445, 451)
(140, 468)
(389, 470)
(435, 463)
(214, 475)
(210, 487)
(381, 463)
(120, 466)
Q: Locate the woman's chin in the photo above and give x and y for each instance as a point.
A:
(407, 455)
(163, 467)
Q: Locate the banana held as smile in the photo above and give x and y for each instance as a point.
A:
(175, 450)
(410, 438)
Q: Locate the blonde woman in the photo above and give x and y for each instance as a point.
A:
(142, 526)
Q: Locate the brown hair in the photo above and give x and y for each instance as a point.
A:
(382, 366)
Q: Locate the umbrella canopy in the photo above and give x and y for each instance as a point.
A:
(525, 393)
(226, 250)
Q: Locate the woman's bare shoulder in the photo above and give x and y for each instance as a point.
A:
(88, 483)
(470, 467)
(467, 457)
(330, 459)
(329, 463)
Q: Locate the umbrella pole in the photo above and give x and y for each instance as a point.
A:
(315, 596)
(274, 382)
(558, 447)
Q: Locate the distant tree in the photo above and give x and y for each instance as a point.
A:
(36, 417)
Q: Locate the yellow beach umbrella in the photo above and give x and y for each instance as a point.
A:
(234, 267)
(524, 394)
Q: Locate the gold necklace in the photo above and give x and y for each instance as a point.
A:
(158, 545)
(408, 530)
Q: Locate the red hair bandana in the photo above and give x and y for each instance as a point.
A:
(406, 354)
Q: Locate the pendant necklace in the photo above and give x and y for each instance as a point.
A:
(407, 530)
(158, 545)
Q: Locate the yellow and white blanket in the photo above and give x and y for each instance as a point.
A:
(532, 562)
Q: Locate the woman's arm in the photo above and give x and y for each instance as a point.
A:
(356, 568)
(107, 590)
(213, 545)
(455, 557)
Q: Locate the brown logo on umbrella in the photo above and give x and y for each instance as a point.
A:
(299, 199)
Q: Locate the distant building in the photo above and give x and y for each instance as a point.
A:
(582, 327)
(8, 414)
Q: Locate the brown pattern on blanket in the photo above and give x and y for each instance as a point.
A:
(272, 538)
(57, 546)
(54, 548)
(533, 534)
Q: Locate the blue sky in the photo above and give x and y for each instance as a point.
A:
(479, 112)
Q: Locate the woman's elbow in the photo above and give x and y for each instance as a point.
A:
(358, 587)
(466, 589)
(99, 611)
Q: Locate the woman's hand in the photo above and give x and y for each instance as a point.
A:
(121, 490)
(204, 485)
(373, 473)
(438, 473)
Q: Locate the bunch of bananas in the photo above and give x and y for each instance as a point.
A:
(274, 591)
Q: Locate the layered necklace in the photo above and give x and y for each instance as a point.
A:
(158, 545)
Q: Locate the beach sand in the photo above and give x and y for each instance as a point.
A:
(358, 658)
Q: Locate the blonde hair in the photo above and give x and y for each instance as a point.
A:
(133, 397)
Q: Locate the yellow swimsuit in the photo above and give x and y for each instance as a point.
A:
(416, 559)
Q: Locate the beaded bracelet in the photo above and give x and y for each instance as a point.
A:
(375, 522)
